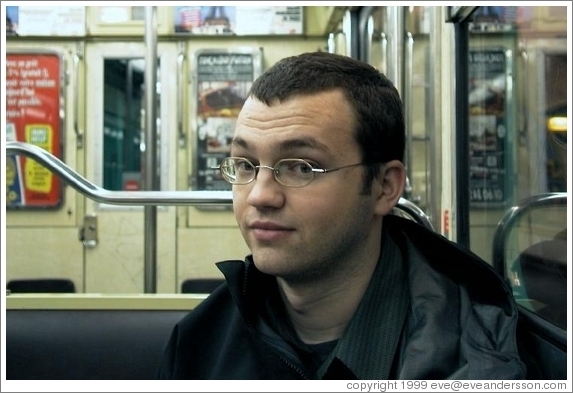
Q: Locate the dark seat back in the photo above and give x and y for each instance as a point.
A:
(86, 344)
(41, 285)
(543, 270)
(200, 285)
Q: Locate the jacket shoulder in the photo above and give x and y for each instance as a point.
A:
(458, 263)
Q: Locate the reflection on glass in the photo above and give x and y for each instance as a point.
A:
(517, 67)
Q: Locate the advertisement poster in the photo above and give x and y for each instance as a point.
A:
(269, 20)
(209, 20)
(244, 20)
(501, 18)
(223, 81)
(33, 83)
(487, 126)
(46, 20)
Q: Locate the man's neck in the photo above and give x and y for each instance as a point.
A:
(321, 312)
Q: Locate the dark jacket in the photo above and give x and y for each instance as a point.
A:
(460, 324)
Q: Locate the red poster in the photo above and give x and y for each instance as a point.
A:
(33, 83)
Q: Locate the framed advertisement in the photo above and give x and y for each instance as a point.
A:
(489, 118)
(48, 20)
(495, 19)
(221, 82)
(241, 20)
(34, 91)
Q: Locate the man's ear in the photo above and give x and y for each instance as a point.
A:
(389, 186)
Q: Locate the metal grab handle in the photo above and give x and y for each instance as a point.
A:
(77, 58)
(102, 195)
(414, 212)
(180, 102)
(511, 217)
(99, 194)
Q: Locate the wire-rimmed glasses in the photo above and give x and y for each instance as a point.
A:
(290, 172)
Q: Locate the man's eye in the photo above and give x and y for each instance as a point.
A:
(244, 166)
(297, 167)
(304, 168)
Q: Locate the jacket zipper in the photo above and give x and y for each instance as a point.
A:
(253, 331)
(289, 363)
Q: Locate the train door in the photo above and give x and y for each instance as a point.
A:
(115, 107)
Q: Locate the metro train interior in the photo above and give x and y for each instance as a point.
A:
(114, 218)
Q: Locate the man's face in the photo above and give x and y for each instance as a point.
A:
(303, 233)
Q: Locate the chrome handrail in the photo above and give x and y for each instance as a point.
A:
(414, 212)
(510, 218)
(102, 195)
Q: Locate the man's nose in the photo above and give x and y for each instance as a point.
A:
(265, 190)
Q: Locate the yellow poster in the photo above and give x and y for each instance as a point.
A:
(38, 178)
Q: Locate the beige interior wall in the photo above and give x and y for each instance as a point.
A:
(44, 252)
(199, 249)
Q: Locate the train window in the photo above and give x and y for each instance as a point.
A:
(555, 65)
(123, 139)
(517, 88)
(530, 249)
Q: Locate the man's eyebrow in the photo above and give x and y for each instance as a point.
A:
(290, 144)
(240, 142)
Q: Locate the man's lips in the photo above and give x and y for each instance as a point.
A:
(268, 231)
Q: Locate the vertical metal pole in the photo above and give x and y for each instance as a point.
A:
(433, 118)
(365, 31)
(408, 100)
(395, 63)
(462, 134)
(150, 154)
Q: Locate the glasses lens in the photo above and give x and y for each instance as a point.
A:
(237, 170)
(294, 172)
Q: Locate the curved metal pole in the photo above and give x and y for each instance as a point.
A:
(125, 198)
(415, 212)
(165, 198)
(505, 225)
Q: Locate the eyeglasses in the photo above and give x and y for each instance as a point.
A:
(290, 172)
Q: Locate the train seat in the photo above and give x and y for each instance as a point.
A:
(200, 285)
(43, 285)
(73, 344)
(534, 263)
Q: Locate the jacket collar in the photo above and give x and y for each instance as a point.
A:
(483, 283)
(248, 286)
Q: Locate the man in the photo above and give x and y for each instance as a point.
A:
(336, 287)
